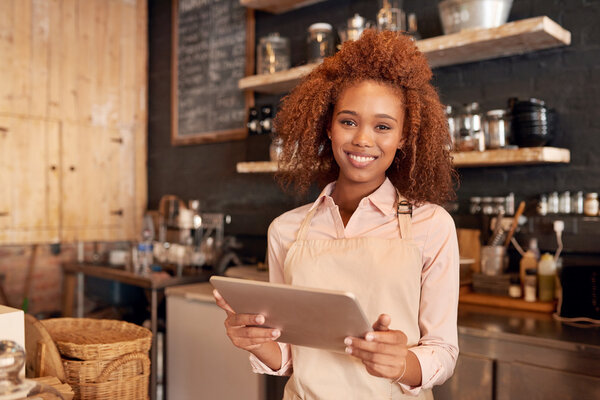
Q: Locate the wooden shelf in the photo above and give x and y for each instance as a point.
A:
(518, 37)
(278, 82)
(503, 157)
(277, 6)
(256, 167)
(467, 297)
(466, 159)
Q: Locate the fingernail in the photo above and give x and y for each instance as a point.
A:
(216, 294)
(276, 333)
(260, 319)
(369, 337)
(347, 341)
(349, 350)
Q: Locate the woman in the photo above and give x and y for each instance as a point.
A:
(369, 122)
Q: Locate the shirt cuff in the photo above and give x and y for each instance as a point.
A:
(286, 363)
(431, 370)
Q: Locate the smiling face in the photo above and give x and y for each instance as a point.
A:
(366, 131)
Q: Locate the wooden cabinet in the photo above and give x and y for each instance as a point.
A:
(473, 379)
(98, 187)
(72, 119)
(29, 180)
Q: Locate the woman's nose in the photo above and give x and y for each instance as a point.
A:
(363, 138)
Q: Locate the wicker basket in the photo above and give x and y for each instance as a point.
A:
(121, 379)
(97, 339)
(89, 371)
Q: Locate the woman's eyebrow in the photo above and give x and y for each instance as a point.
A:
(376, 115)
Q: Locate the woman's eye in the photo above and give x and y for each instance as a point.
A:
(382, 127)
(348, 122)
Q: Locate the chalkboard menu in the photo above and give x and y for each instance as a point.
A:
(213, 43)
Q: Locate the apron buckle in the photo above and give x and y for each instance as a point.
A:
(404, 207)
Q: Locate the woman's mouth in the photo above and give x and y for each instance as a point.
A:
(360, 160)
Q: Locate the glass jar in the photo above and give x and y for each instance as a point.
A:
(320, 42)
(475, 205)
(553, 203)
(496, 126)
(590, 204)
(577, 203)
(499, 205)
(273, 54)
(275, 148)
(12, 386)
(542, 206)
(487, 206)
(471, 135)
(390, 16)
(530, 285)
(564, 203)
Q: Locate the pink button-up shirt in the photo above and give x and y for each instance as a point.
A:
(433, 232)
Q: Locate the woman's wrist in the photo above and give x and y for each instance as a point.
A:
(411, 374)
(269, 354)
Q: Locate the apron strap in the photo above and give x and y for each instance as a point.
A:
(404, 212)
(305, 225)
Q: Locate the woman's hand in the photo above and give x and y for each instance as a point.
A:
(384, 352)
(242, 329)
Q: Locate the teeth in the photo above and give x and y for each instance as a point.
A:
(360, 158)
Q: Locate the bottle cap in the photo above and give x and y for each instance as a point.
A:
(546, 257)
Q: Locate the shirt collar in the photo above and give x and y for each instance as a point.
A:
(383, 198)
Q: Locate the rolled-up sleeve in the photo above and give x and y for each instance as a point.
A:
(437, 350)
(275, 257)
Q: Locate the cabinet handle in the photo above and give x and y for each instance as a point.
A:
(118, 212)
(117, 140)
(53, 168)
(4, 214)
(3, 129)
(72, 168)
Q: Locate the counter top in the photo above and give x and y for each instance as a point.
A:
(527, 327)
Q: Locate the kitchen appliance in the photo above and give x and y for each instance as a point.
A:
(273, 54)
(354, 28)
(458, 15)
(471, 136)
(580, 299)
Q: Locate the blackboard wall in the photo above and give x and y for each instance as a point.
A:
(567, 78)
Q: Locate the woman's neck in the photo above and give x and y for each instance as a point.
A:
(347, 196)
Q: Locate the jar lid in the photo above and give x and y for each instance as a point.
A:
(592, 195)
(496, 113)
(486, 199)
(475, 199)
(356, 22)
(320, 27)
(274, 37)
(499, 199)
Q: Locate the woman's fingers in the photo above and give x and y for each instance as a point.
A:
(383, 322)
(244, 320)
(222, 303)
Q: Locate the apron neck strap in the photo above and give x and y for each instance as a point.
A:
(305, 224)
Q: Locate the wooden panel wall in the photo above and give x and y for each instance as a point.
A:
(81, 64)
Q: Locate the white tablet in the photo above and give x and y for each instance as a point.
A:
(305, 316)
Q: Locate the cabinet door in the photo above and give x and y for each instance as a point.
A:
(29, 180)
(537, 383)
(98, 183)
(472, 380)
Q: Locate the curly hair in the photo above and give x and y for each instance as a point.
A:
(422, 169)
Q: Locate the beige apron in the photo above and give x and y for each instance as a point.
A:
(385, 276)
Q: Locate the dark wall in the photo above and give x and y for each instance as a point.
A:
(568, 78)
